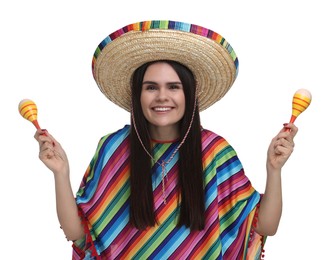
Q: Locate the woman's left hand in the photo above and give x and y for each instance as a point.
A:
(281, 147)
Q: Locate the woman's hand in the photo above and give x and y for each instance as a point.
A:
(281, 147)
(54, 157)
(51, 153)
(279, 151)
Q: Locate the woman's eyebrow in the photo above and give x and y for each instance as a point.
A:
(149, 82)
(168, 83)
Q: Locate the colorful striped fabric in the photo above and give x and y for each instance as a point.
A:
(231, 203)
(170, 25)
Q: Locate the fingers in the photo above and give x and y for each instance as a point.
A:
(42, 135)
(290, 128)
(46, 153)
(283, 146)
(48, 146)
(283, 143)
(50, 153)
(288, 132)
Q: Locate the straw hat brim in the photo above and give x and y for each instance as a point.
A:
(212, 61)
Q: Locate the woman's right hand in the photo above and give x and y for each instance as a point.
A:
(51, 153)
(54, 157)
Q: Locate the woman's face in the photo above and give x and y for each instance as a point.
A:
(162, 97)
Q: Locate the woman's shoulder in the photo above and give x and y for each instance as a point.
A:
(212, 140)
(124, 131)
(208, 134)
(118, 136)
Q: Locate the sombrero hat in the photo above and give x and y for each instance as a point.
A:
(207, 54)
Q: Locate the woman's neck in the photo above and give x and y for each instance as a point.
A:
(166, 133)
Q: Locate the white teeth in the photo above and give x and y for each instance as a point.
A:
(161, 109)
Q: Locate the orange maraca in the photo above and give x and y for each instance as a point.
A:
(28, 109)
(301, 100)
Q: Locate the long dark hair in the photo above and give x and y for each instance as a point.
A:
(191, 182)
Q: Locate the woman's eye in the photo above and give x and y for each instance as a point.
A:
(174, 86)
(150, 87)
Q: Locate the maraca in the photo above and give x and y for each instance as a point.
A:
(301, 100)
(28, 109)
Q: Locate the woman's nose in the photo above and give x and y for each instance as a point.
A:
(162, 94)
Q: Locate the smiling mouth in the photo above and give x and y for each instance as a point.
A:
(161, 109)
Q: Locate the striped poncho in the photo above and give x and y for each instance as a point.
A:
(103, 202)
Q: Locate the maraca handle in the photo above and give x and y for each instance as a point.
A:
(36, 124)
(292, 119)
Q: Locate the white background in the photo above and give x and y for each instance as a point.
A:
(45, 55)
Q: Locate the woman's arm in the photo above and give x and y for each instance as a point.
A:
(278, 153)
(54, 157)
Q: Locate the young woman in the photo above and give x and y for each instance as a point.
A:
(164, 187)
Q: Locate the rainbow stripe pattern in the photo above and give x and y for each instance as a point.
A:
(103, 201)
(168, 25)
